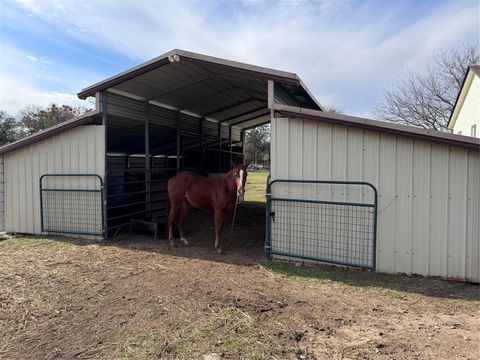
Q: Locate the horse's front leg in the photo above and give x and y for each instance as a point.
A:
(219, 217)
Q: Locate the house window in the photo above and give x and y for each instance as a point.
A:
(473, 131)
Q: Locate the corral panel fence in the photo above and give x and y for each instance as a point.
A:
(327, 221)
(72, 204)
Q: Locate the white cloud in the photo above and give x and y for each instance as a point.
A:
(23, 82)
(345, 52)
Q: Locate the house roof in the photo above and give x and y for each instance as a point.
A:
(84, 119)
(466, 142)
(473, 70)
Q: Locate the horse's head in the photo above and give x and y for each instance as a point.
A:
(240, 174)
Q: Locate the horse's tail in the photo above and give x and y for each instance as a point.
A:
(169, 207)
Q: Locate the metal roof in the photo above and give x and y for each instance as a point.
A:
(229, 92)
(88, 118)
(467, 142)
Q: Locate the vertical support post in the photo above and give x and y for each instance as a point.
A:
(178, 141)
(148, 174)
(268, 218)
(202, 150)
(272, 116)
(103, 100)
(230, 138)
(220, 155)
(242, 139)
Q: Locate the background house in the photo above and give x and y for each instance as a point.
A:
(465, 118)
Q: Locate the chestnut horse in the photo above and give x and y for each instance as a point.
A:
(218, 193)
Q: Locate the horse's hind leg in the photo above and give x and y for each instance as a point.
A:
(171, 219)
(182, 214)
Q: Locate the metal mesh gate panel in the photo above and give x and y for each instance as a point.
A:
(307, 221)
(72, 204)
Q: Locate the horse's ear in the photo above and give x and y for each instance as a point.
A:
(232, 164)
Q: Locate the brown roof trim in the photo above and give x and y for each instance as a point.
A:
(53, 130)
(466, 142)
(258, 71)
(122, 77)
(476, 71)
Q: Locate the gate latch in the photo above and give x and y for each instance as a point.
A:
(272, 214)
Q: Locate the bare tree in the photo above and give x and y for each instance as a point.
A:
(257, 143)
(331, 109)
(427, 99)
(34, 118)
(8, 128)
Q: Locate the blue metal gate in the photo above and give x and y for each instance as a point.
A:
(72, 204)
(326, 227)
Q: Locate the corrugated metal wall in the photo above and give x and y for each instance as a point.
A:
(77, 151)
(429, 194)
(2, 197)
(135, 110)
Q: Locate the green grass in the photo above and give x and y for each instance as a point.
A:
(143, 346)
(255, 188)
(20, 243)
(230, 331)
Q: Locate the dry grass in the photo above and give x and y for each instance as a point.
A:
(134, 299)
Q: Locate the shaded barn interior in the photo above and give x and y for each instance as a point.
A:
(180, 111)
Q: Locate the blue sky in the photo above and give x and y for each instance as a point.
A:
(345, 51)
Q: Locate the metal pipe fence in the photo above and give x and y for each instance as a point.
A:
(136, 193)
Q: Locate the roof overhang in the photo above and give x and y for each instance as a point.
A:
(222, 91)
(466, 142)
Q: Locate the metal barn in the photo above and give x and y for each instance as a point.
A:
(89, 176)
(374, 195)
(343, 190)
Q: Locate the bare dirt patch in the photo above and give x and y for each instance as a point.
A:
(133, 298)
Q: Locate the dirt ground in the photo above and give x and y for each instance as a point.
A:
(133, 298)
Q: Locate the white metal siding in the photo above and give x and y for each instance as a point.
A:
(428, 211)
(77, 151)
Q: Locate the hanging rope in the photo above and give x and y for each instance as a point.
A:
(233, 219)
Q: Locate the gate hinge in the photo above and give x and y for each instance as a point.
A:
(272, 214)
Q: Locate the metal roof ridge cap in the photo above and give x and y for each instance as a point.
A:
(236, 64)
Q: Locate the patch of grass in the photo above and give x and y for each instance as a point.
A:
(255, 188)
(21, 243)
(230, 331)
(142, 346)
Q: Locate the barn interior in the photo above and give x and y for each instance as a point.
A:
(180, 111)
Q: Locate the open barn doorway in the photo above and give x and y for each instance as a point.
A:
(143, 155)
(180, 111)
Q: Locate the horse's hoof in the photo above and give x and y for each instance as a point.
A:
(184, 241)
